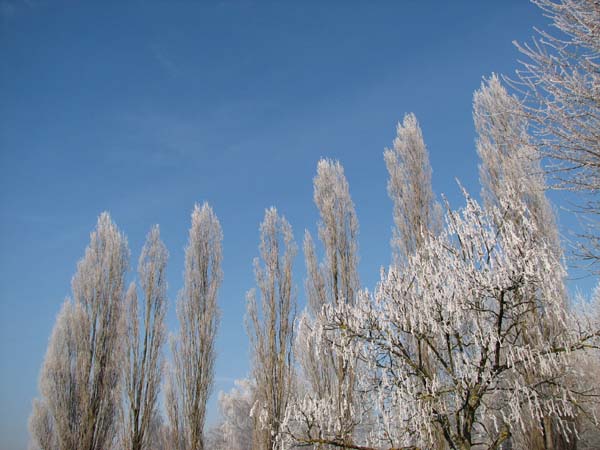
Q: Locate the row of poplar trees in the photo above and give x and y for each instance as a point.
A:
(104, 366)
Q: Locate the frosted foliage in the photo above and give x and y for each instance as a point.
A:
(79, 381)
(193, 349)
(144, 342)
(560, 80)
(238, 422)
(416, 213)
(562, 74)
(270, 326)
(467, 296)
(508, 159)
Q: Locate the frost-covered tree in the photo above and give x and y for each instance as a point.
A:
(143, 343)
(336, 279)
(333, 282)
(509, 161)
(416, 212)
(560, 80)
(462, 295)
(237, 426)
(270, 325)
(80, 377)
(191, 379)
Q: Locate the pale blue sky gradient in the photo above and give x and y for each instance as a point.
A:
(142, 108)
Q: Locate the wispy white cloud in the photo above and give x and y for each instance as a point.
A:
(225, 380)
(171, 140)
(165, 60)
(7, 9)
(11, 8)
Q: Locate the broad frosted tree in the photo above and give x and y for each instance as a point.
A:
(560, 80)
(335, 281)
(144, 342)
(270, 323)
(461, 294)
(193, 349)
(417, 214)
(80, 377)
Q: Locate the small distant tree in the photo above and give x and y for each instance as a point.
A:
(144, 364)
(238, 424)
(191, 379)
(215, 439)
(80, 377)
(41, 427)
(271, 327)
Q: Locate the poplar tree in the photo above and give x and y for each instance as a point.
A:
(334, 282)
(80, 378)
(191, 379)
(270, 323)
(144, 343)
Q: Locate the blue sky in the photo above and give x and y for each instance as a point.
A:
(142, 108)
